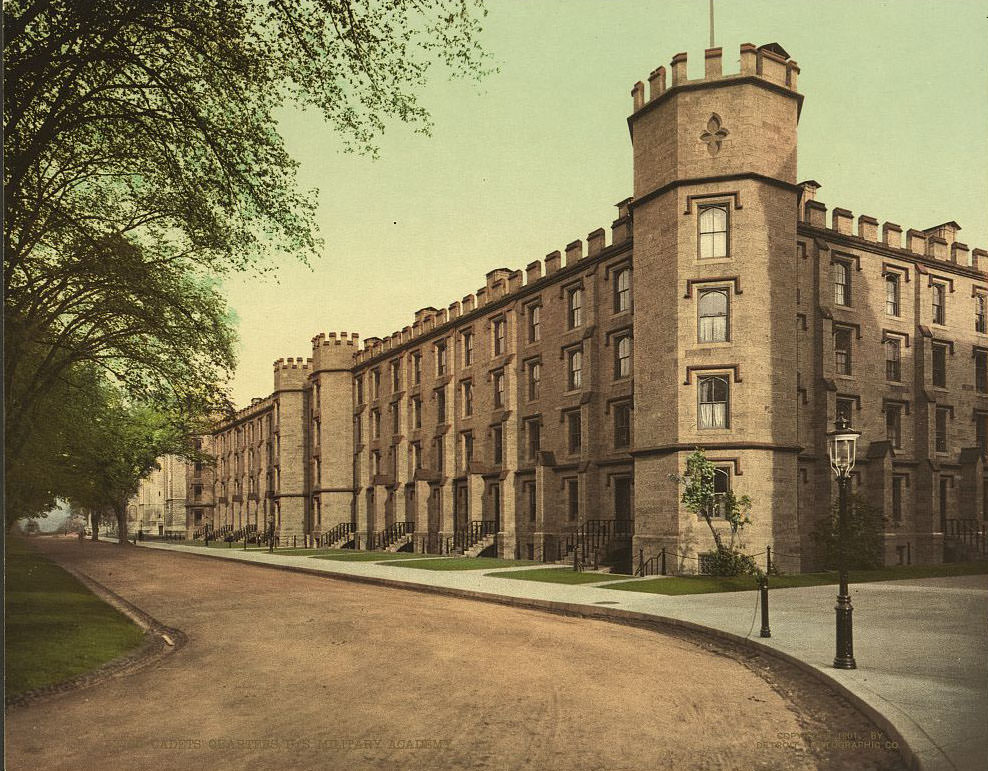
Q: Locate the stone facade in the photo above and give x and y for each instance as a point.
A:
(724, 311)
(159, 506)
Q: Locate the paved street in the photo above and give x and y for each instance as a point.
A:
(921, 645)
(286, 670)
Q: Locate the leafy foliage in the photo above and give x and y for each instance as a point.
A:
(700, 497)
(141, 165)
(865, 546)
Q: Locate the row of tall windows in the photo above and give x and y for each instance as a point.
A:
(841, 277)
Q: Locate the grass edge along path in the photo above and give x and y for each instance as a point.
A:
(351, 555)
(559, 575)
(55, 627)
(462, 563)
(678, 585)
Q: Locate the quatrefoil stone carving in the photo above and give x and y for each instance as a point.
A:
(714, 135)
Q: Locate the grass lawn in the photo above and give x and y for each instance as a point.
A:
(353, 555)
(56, 628)
(466, 563)
(559, 576)
(708, 584)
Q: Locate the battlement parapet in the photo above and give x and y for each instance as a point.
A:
(937, 243)
(770, 62)
(501, 283)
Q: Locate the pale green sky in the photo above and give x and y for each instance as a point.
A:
(893, 125)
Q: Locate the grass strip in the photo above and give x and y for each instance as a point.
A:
(558, 576)
(677, 585)
(464, 563)
(56, 627)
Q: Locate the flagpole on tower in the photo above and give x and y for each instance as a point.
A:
(712, 24)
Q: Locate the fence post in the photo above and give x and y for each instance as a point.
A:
(575, 553)
(663, 560)
(763, 587)
(768, 560)
(294, 541)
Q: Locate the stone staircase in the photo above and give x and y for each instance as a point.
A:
(400, 543)
(480, 546)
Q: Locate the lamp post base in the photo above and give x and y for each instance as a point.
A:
(845, 634)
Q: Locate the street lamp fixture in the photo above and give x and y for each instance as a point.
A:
(842, 447)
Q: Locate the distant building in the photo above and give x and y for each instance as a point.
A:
(550, 408)
(159, 506)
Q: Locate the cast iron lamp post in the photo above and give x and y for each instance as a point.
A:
(841, 444)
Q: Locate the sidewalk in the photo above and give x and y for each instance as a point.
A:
(921, 645)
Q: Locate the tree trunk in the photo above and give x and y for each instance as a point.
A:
(94, 519)
(121, 513)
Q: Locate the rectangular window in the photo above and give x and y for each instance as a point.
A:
(939, 294)
(359, 383)
(941, 428)
(622, 357)
(712, 310)
(497, 439)
(467, 398)
(534, 380)
(892, 294)
(417, 412)
(722, 485)
(575, 307)
(357, 432)
(376, 462)
(939, 365)
(980, 313)
(395, 376)
(893, 359)
(441, 363)
(845, 409)
(841, 272)
(981, 371)
(376, 381)
(713, 393)
(622, 290)
(574, 431)
(713, 231)
(897, 484)
(416, 455)
(530, 500)
(842, 351)
(622, 426)
(533, 433)
(574, 376)
(467, 448)
(395, 419)
(499, 389)
(376, 424)
(573, 499)
(534, 323)
(467, 349)
(499, 331)
(440, 455)
(893, 424)
(441, 405)
(981, 434)
(416, 368)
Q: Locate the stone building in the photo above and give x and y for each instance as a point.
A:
(551, 407)
(159, 506)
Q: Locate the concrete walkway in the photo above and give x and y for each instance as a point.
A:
(921, 645)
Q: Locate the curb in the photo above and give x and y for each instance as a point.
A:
(159, 641)
(615, 615)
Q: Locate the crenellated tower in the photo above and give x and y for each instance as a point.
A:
(714, 223)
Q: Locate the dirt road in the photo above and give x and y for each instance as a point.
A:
(286, 671)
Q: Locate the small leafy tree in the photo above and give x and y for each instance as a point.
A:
(699, 497)
(865, 545)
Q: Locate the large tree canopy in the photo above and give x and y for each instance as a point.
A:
(142, 163)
